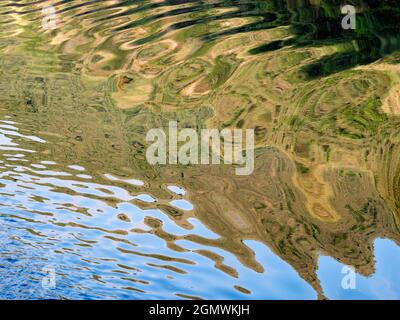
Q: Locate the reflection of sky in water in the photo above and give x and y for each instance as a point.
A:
(383, 284)
(177, 190)
(57, 217)
(182, 204)
(53, 219)
(130, 181)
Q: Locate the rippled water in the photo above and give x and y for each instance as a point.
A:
(80, 205)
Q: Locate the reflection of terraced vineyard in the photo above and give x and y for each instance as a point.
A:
(323, 101)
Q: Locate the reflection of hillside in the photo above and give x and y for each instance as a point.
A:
(271, 206)
(323, 142)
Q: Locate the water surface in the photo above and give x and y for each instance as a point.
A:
(80, 204)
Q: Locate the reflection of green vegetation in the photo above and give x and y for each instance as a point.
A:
(320, 23)
(365, 117)
(223, 69)
(302, 168)
(298, 91)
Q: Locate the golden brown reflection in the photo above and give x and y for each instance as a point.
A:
(92, 88)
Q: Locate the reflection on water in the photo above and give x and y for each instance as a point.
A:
(383, 284)
(79, 202)
(103, 246)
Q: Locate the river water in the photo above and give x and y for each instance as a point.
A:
(83, 215)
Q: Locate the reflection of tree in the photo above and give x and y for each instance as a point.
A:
(312, 25)
(315, 25)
